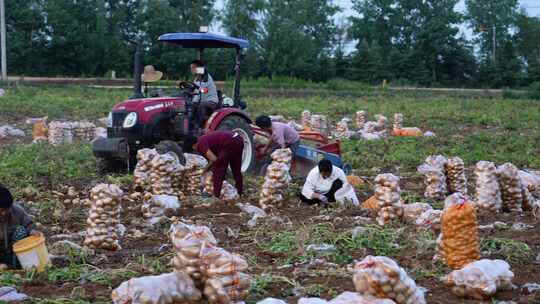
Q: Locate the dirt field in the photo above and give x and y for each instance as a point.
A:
(276, 247)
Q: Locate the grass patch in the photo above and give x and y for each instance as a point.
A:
(264, 285)
(509, 250)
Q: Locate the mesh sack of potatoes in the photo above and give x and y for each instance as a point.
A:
(187, 242)
(154, 207)
(104, 217)
(388, 196)
(430, 219)
(381, 121)
(60, 133)
(398, 121)
(360, 119)
(141, 174)
(319, 123)
(224, 273)
(511, 188)
(276, 179)
(293, 124)
(84, 130)
(456, 181)
(195, 165)
(531, 181)
(480, 280)
(342, 130)
(228, 191)
(305, 120)
(459, 241)
(382, 277)
(434, 176)
(346, 297)
(168, 288)
(488, 192)
(411, 212)
(163, 169)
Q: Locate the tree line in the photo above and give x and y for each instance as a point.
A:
(402, 41)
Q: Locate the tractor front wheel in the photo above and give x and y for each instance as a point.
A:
(239, 125)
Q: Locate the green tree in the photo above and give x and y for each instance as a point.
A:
(527, 38)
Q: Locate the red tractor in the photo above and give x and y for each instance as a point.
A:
(163, 121)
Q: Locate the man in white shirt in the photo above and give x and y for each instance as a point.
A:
(322, 183)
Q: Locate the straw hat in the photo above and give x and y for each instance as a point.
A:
(150, 74)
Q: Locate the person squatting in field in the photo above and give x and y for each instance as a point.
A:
(222, 149)
(15, 225)
(322, 183)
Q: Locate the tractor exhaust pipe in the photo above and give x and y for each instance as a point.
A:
(137, 71)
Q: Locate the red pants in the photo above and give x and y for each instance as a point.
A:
(232, 156)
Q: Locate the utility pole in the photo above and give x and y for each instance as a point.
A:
(494, 44)
(3, 39)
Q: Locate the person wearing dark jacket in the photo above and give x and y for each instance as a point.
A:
(15, 225)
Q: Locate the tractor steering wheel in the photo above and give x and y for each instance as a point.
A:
(187, 85)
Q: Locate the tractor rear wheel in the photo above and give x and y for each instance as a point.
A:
(166, 146)
(239, 125)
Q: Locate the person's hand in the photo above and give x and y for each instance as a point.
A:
(323, 198)
(35, 232)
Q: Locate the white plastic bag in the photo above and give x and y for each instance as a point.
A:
(271, 301)
(481, 279)
(411, 212)
(356, 298)
(347, 195)
(430, 219)
(169, 288)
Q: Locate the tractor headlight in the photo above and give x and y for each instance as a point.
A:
(130, 120)
(109, 120)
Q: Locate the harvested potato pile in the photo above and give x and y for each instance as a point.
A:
(226, 281)
(481, 279)
(195, 165)
(141, 174)
(306, 120)
(459, 236)
(488, 193)
(83, 130)
(168, 288)
(411, 212)
(430, 219)
(342, 130)
(228, 191)
(511, 188)
(388, 196)
(154, 207)
(398, 121)
(382, 277)
(434, 177)
(277, 178)
(381, 121)
(164, 167)
(360, 119)
(103, 217)
(187, 242)
(456, 180)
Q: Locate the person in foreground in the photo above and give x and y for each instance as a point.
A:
(281, 135)
(222, 149)
(322, 183)
(15, 225)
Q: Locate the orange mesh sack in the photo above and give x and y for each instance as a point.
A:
(371, 203)
(39, 130)
(459, 235)
(382, 277)
(408, 132)
(355, 181)
(481, 279)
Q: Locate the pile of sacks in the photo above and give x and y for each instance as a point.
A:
(433, 170)
(422, 215)
(398, 122)
(154, 207)
(372, 130)
(319, 123)
(360, 119)
(382, 277)
(104, 217)
(220, 274)
(388, 197)
(228, 191)
(399, 130)
(84, 130)
(277, 178)
(459, 242)
(342, 130)
(9, 131)
(60, 133)
(194, 170)
(481, 279)
(488, 192)
(141, 174)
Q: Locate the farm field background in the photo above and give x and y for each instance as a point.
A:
(473, 128)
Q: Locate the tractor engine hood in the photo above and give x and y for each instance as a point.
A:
(146, 108)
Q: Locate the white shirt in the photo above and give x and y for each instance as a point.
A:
(315, 183)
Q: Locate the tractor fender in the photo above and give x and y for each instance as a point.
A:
(217, 117)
